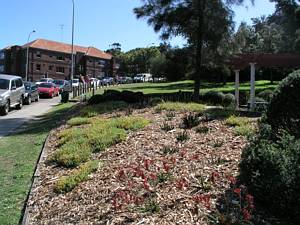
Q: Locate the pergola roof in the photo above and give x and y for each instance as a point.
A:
(285, 60)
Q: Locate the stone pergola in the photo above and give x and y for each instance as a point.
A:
(242, 61)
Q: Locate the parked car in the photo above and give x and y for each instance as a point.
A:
(75, 82)
(12, 93)
(107, 80)
(124, 80)
(31, 92)
(48, 90)
(142, 77)
(95, 81)
(62, 85)
(44, 80)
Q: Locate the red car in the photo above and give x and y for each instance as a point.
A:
(48, 89)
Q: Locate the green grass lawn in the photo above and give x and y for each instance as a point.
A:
(188, 85)
(18, 156)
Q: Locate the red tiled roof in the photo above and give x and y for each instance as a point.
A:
(67, 48)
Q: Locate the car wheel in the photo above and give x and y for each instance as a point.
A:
(20, 105)
(29, 100)
(5, 109)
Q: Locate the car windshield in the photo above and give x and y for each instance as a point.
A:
(60, 82)
(4, 84)
(27, 86)
(43, 80)
(46, 85)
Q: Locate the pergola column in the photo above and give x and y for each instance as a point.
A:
(252, 89)
(237, 86)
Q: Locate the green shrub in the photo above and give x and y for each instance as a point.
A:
(182, 136)
(270, 167)
(167, 127)
(131, 97)
(229, 100)
(215, 113)
(68, 183)
(100, 137)
(77, 121)
(180, 107)
(214, 97)
(191, 120)
(202, 130)
(236, 121)
(105, 107)
(130, 123)
(155, 101)
(96, 99)
(266, 95)
(72, 153)
(283, 111)
(245, 130)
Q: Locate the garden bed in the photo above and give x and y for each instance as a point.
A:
(161, 174)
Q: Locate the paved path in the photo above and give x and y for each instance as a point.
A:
(16, 118)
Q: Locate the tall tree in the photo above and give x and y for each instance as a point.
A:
(202, 22)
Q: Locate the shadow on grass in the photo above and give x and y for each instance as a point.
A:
(45, 123)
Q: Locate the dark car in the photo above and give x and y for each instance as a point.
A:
(31, 92)
(62, 84)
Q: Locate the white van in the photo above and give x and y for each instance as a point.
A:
(142, 77)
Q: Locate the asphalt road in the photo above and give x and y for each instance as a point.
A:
(16, 118)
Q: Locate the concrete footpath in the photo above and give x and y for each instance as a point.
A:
(16, 118)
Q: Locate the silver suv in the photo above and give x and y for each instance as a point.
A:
(12, 93)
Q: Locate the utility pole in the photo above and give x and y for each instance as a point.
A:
(72, 51)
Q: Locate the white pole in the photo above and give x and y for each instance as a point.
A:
(27, 55)
(252, 90)
(72, 51)
(237, 86)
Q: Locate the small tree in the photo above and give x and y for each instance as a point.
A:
(202, 22)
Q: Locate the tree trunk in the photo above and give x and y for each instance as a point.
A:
(199, 45)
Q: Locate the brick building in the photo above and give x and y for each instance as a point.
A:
(53, 59)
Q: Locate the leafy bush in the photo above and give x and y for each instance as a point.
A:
(96, 99)
(68, 183)
(229, 100)
(266, 95)
(189, 121)
(236, 121)
(270, 168)
(77, 121)
(284, 108)
(180, 107)
(214, 97)
(155, 101)
(131, 97)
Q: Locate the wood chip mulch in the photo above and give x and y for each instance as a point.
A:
(150, 178)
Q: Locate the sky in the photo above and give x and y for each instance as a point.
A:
(98, 23)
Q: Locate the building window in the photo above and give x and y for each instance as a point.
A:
(1, 55)
(101, 62)
(1, 68)
(50, 67)
(60, 58)
(38, 54)
(38, 67)
(60, 69)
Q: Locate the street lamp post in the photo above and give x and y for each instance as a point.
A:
(72, 50)
(27, 55)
